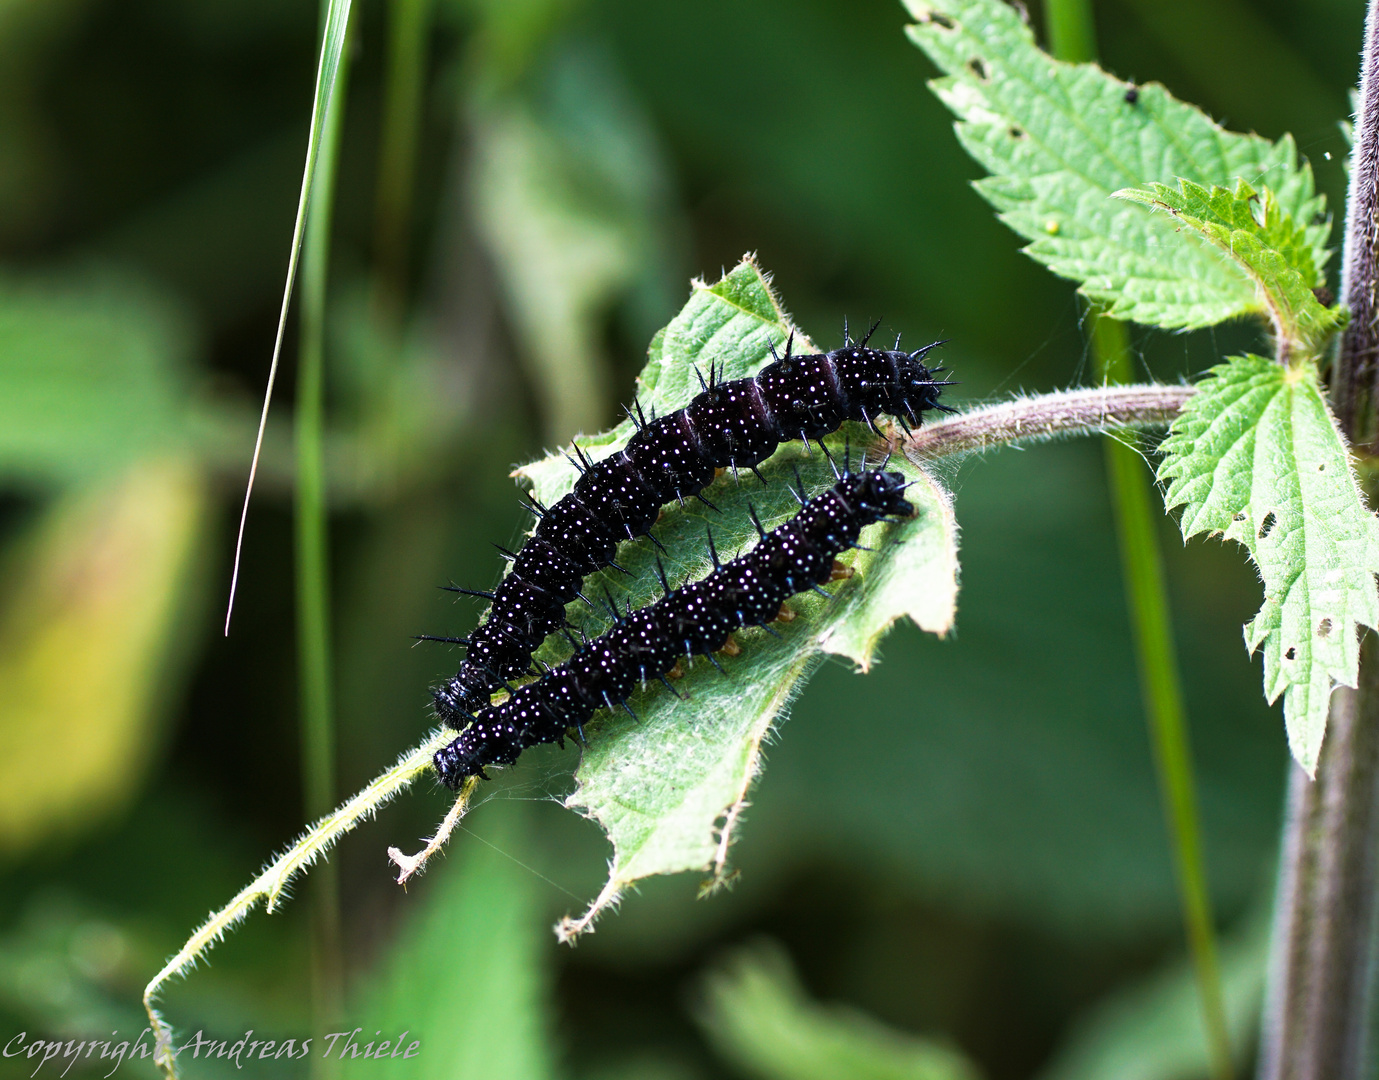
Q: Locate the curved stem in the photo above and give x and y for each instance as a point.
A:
(270, 886)
(1030, 419)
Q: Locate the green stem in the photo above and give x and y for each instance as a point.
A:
(1136, 510)
(408, 23)
(1021, 422)
(1072, 35)
(1072, 30)
(312, 556)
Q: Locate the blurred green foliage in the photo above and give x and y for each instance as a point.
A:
(968, 843)
(759, 1017)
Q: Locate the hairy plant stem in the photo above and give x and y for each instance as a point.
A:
(1318, 1022)
(1357, 362)
(1048, 416)
(1031, 419)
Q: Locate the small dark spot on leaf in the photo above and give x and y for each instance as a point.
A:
(1132, 94)
(939, 19)
(1291, 654)
(1319, 218)
(1239, 517)
(1324, 628)
(1321, 468)
(1324, 296)
(1020, 9)
(977, 68)
(1267, 525)
(1016, 132)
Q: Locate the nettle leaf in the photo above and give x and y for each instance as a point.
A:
(1059, 139)
(670, 787)
(1265, 243)
(1256, 457)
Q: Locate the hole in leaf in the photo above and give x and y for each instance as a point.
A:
(1324, 628)
(1267, 525)
(977, 68)
(1292, 653)
(1239, 517)
(1016, 132)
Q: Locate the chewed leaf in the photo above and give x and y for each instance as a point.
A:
(1267, 246)
(1256, 457)
(728, 327)
(917, 579)
(668, 788)
(1058, 139)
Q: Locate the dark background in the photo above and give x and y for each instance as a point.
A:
(968, 843)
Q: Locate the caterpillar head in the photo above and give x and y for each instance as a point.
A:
(918, 384)
(458, 698)
(877, 494)
(455, 762)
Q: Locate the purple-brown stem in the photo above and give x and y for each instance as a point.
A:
(1317, 1017)
(1048, 416)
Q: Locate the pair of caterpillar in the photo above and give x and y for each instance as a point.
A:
(731, 424)
(695, 618)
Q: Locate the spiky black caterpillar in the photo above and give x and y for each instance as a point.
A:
(734, 424)
(695, 618)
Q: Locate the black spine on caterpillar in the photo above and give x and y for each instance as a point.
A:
(695, 618)
(733, 424)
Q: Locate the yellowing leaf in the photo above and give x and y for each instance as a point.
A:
(89, 628)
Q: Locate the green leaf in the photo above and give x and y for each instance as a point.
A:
(93, 377)
(731, 324)
(669, 788)
(920, 555)
(759, 1018)
(568, 190)
(1256, 457)
(1059, 139)
(1267, 246)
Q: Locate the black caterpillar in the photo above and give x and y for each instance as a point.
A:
(734, 424)
(695, 618)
